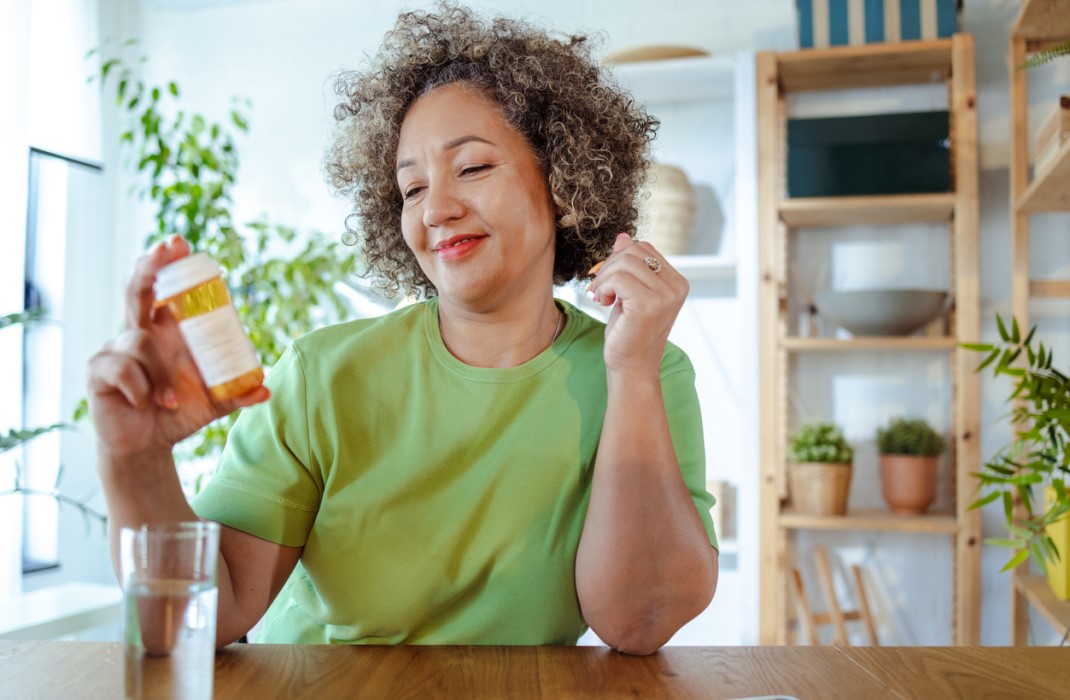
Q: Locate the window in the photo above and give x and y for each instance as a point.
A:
(62, 193)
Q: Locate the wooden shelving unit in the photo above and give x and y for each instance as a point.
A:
(944, 61)
(1040, 23)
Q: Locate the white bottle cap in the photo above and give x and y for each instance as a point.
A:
(186, 273)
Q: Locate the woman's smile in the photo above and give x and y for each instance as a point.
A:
(457, 247)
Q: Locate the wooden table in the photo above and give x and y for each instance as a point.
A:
(91, 670)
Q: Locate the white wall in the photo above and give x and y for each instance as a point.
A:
(280, 53)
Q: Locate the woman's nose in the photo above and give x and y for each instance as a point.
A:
(442, 205)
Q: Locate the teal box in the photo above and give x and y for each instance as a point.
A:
(825, 23)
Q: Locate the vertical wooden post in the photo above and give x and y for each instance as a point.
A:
(1019, 177)
(967, 291)
(772, 580)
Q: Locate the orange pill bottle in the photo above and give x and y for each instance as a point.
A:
(194, 291)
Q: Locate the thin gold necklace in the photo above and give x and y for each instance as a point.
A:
(560, 319)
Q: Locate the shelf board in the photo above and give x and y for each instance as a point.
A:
(1049, 289)
(679, 79)
(1049, 191)
(1042, 19)
(867, 65)
(794, 344)
(879, 209)
(1040, 596)
(871, 520)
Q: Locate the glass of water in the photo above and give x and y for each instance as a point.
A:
(168, 574)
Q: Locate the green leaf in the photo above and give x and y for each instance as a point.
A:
(1008, 544)
(977, 347)
(981, 502)
(1002, 329)
(1045, 56)
(106, 67)
(1017, 559)
(988, 360)
(1016, 336)
(21, 317)
(172, 87)
(14, 438)
(1008, 506)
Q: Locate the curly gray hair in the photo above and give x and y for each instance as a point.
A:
(590, 136)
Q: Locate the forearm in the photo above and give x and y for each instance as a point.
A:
(644, 565)
(144, 489)
(140, 488)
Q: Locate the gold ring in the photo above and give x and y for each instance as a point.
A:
(654, 264)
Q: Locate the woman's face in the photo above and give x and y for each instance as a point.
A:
(477, 211)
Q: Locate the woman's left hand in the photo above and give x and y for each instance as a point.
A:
(646, 294)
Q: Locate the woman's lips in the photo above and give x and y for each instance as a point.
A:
(457, 247)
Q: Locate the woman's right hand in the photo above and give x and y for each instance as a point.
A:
(145, 393)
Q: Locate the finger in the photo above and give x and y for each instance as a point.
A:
(139, 291)
(622, 241)
(258, 395)
(111, 372)
(141, 346)
(625, 270)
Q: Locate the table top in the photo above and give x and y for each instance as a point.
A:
(92, 670)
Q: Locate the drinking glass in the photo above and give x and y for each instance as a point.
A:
(168, 575)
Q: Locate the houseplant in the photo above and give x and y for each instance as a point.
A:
(820, 473)
(908, 448)
(283, 284)
(1037, 459)
(12, 488)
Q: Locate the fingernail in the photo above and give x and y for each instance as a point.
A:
(594, 270)
(170, 401)
(589, 287)
(624, 233)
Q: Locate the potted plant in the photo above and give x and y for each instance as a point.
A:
(820, 472)
(1036, 464)
(908, 448)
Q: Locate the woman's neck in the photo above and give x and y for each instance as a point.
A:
(502, 338)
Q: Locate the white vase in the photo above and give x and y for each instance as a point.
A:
(11, 509)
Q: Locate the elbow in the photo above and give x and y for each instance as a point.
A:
(638, 644)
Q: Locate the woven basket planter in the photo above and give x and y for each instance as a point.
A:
(819, 488)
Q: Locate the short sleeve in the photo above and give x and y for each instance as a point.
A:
(685, 426)
(266, 484)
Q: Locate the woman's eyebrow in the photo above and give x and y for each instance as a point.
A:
(448, 146)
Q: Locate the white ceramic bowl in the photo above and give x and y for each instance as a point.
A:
(881, 311)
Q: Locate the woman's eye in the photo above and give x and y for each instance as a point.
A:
(412, 192)
(472, 169)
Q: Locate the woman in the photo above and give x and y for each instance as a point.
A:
(489, 466)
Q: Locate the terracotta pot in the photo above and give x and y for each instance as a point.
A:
(908, 483)
(819, 488)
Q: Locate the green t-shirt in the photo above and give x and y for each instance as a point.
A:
(437, 503)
